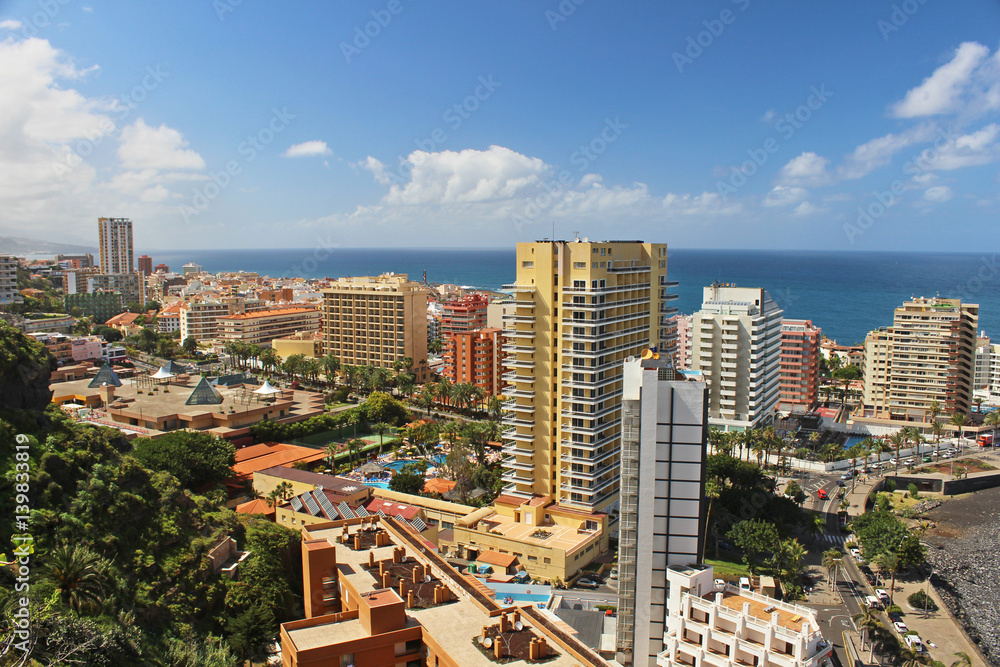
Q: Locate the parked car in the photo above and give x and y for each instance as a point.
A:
(900, 627)
(913, 641)
(928, 459)
(856, 553)
(821, 494)
(720, 584)
(882, 594)
(847, 475)
(873, 602)
(745, 583)
(613, 575)
(584, 582)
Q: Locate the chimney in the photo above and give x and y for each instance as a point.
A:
(371, 560)
(774, 618)
(409, 598)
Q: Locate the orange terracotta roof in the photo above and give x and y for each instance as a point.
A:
(256, 506)
(123, 318)
(438, 485)
(281, 458)
(392, 509)
(494, 558)
(269, 313)
(253, 451)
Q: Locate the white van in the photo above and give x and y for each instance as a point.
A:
(873, 602)
(744, 583)
(913, 641)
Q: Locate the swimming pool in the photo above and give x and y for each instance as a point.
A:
(853, 440)
(522, 597)
(379, 485)
(435, 460)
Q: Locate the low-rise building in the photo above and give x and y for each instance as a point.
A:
(259, 328)
(87, 348)
(710, 626)
(58, 345)
(308, 343)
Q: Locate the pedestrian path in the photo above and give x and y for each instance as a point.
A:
(832, 539)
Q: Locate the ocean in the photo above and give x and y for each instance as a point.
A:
(845, 293)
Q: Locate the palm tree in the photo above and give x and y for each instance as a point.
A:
(269, 359)
(443, 390)
(855, 452)
(331, 456)
(494, 406)
(889, 561)
(330, 365)
(426, 398)
(908, 657)
(380, 428)
(993, 419)
(713, 489)
(959, 420)
(405, 383)
(934, 410)
(816, 526)
(898, 440)
(833, 560)
(964, 660)
(79, 576)
(869, 625)
(937, 429)
(253, 352)
(912, 433)
(814, 439)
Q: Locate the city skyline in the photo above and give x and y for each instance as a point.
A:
(733, 125)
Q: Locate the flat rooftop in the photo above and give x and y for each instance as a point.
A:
(453, 625)
(788, 616)
(565, 538)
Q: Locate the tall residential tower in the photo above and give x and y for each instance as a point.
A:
(580, 309)
(115, 236)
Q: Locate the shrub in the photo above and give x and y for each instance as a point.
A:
(919, 599)
(890, 485)
(912, 488)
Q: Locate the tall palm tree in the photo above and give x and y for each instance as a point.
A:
(443, 391)
(331, 366)
(934, 409)
(937, 429)
(380, 428)
(889, 561)
(816, 526)
(494, 406)
(713, 489)
(331, 456)
(269, 359)
(814, 439)
(869, 625)
(964, 660)
(426, 398)
(908, 657)
(898, 440)
(854, 452)
(993, 419)
(833, 560)
(79, 576)
(959, 420)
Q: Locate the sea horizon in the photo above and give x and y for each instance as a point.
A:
(846, 293)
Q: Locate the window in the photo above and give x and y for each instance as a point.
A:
(579, 265)
(527, 265)
(347, 660)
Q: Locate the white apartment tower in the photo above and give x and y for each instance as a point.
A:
(115, 237)
(9, 293)
(579, 309)
(662, 484)
(736, 347)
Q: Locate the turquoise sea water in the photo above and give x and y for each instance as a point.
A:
(845, 293)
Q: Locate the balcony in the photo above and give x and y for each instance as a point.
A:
(513, 449)
(511, 362)
(512, 434)
(511, 463)
(514, 477)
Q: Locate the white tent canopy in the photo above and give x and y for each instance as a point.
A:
(162, 374)
(267, 389)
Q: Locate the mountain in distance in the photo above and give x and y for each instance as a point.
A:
(19, 245)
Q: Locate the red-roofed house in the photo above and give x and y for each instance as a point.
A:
(389, 508)
(256, 506)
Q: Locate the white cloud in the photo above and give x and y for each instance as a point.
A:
(308, 149)
(155, 194)
(806, 169)
(87, 8)
(968, 150)
(10, 24)
(146, 147)
(879, 152)
(782, 195)
(943, 91)
(806, 209)
(938, 193)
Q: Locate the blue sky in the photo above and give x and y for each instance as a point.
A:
(250, 124)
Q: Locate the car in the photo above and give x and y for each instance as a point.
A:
(745, 583)
(856, 553)
(895, 616)
(892, 461)
(928, 459)
(720, 584)
(913, 641)
(882, 594)
(584, 582)
(873, 602)
(946, 455)
(821, 494)
(847, 475)
(900, 627)
(613, 574)
(840, 483)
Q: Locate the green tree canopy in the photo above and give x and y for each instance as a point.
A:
(195, 459)
(381, 407)
(407, 482)
(757, 539)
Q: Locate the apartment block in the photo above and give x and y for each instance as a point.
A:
(476, 357)
(168, 320)
(725, 626)
(579, 309)
(87, 348)
(131, 285)
(145, 265)
(928, 355)
(101, 306)
(59, 345)
(981, 378)
(8, 281)
(800, 357)
(261, 327)
(662, 484)
(200, 319)
(462, 315)
(376, 321)
(376, 595)
(682, 325)
(191, 269)
(115, 239)
(736, 347)
(84, 261)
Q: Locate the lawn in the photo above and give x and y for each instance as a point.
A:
(728, 565)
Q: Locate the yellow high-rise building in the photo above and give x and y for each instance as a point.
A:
(376, 321)
(580, 309)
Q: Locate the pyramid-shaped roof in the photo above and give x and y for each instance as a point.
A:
(173, 367)
(204, 394)
(105, 376)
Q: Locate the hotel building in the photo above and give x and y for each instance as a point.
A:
(376, 321)
(736, 347)
(662, 484)
(726, 626)
(115, 239)
(476, 357)
(579, 310)
(376, 594)
(262, 326)
(799, 365)
(928, 355)
(460, 316)
(145, 264)
(8, 281)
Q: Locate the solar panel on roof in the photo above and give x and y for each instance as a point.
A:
(327, 506)
(383, 514)
(418, 524)
(311, 505)
(345, 511)
(361, 511)
(296, 503)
